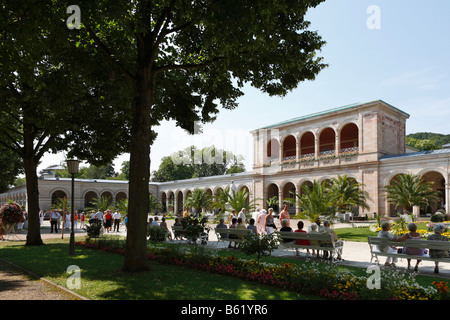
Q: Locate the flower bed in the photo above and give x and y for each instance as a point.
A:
(321, 279)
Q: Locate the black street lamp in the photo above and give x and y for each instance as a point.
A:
(72, 166)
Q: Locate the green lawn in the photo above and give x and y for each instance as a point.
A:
(102, 279)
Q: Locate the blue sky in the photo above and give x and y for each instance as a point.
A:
(406, 63)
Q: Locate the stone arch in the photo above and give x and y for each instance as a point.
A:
(349, 136)
(289, 150)
(327, 140)
(58, 194)
(89, 197)
(307, 144)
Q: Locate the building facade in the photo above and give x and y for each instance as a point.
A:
(363, 141)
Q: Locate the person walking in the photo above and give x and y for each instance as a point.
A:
(54, 217)
(117, 217)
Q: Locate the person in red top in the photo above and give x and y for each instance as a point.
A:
(108, 221)
(301, 241)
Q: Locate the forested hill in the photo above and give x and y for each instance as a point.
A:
(427, 140)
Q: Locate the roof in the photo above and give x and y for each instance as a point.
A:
(417, 154)
(329, 111)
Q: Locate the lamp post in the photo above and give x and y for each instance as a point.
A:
(72, 166)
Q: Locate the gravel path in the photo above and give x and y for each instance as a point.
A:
(17, 285)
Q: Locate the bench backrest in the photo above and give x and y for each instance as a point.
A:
(326, 237)
(223, 231)
(425, 244)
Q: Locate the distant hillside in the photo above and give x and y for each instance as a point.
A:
(427, 140)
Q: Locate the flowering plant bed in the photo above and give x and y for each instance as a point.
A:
(325, 280)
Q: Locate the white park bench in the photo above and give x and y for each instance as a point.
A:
(223, 234)
(178, 231)
(375, 242)
(318, 241)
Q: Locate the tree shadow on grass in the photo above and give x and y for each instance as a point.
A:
(101, 277)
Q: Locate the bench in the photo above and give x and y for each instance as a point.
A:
(318, 241)
(179, 231)
(375, 242)
(223, 235)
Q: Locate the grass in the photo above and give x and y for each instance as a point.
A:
(102, 278)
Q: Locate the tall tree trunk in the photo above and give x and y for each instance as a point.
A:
(138, 202)
(30, 165)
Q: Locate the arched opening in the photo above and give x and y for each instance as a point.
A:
(349, 138)
(179, 201)
(273, 197)
(307, 145)
(108, 196)
(89, 198)
(327, 141)
(58, 195)
(289, 148)
(164, 201)
(289, 197)
(438, 184)
(121, 196)
(307, 184)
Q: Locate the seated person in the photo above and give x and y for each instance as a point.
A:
(285, 227)
(314, 230)
(384, 233)
(233, 236)
(252, 226)
(337, 242)
(222, 225)
(301, 242)
(438, 229)
(414, 235)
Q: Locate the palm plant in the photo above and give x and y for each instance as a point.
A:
(409, 190)
(199, 199)
(348, 193)
(154, 203)
(241, 200)
(222, 197)
(316, 201)
(101, 204)
(122, 205)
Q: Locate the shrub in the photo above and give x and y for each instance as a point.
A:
(261, 245)
(156, 234)
(93, 230)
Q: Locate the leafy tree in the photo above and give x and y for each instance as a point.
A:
(11, 167)
(425, 144)
(409, 190)
(184, 59)
(436, 140)
(44, 103)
